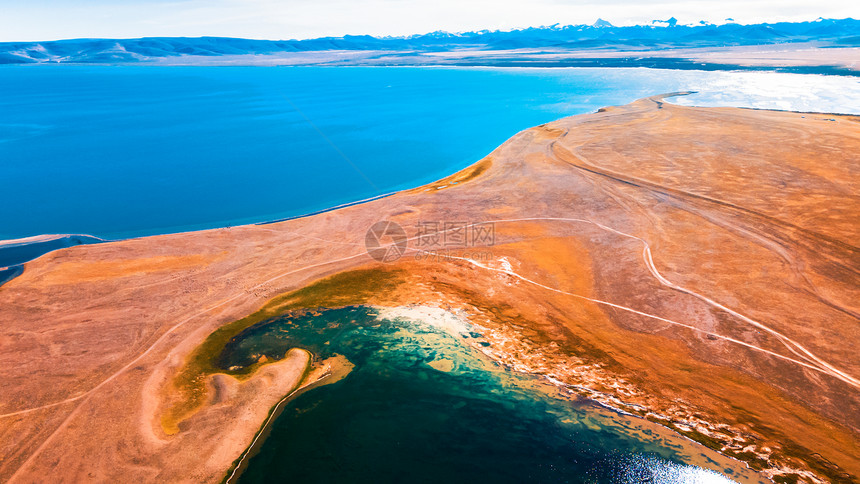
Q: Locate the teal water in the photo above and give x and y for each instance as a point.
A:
(423, 405)
(118, 151)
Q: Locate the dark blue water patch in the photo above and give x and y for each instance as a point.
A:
(422, 406)
(426, 426)
(10, 273)
(15, 254)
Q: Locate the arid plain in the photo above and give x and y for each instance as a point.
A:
(697, 267)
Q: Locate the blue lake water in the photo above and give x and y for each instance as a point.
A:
(422, 405)
(139, 150)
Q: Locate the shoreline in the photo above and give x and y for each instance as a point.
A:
(18, 252)
(802, 70)
(785, 57)
(332, 372)
(561, 336)
(611, 402)
(455, 322)
(35, 240)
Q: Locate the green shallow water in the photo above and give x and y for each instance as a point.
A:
(397, 418)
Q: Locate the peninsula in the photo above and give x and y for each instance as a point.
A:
(695, 268)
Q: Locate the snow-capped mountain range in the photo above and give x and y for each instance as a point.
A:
(661, 34)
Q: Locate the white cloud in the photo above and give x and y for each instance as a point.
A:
(285, 19)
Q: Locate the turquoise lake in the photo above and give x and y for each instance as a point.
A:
(139, 150)
(423, 405)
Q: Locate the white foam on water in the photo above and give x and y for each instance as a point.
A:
(436, 317)
(659, 471)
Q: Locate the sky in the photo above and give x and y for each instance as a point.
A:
(34, 20)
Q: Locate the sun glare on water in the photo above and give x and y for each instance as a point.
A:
(647, 469)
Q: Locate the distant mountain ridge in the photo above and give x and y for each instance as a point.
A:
(601, 35)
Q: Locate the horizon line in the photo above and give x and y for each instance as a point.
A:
(656, 23)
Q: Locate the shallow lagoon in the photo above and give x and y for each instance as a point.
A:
(424, 405)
